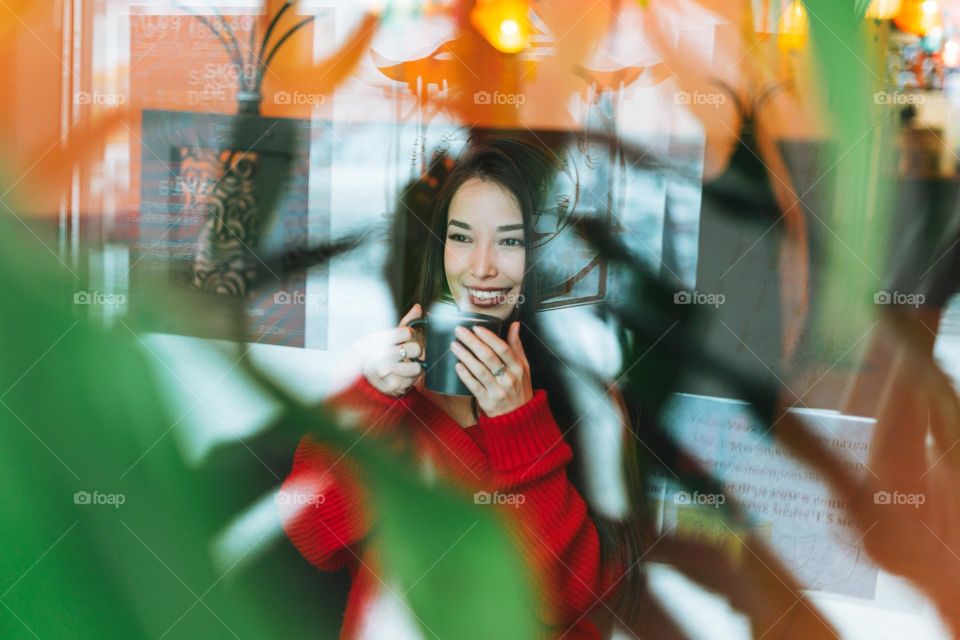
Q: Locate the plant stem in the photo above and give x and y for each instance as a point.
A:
(236, 59)
(253, 49)
(236, 43)
(276, 47)
(262, 67)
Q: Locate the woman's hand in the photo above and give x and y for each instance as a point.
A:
(389, 357)
(496, 372)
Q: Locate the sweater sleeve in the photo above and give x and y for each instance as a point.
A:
(529, 457)
(323, 502)
(321, 505)
(369, 407)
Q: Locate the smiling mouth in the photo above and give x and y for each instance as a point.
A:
(487, 298)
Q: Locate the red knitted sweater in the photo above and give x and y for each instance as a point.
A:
(520, 453)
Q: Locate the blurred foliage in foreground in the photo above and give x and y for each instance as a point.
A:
(107, 532)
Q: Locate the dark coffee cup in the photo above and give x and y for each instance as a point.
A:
(439, 327)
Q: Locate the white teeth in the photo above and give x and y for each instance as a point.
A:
(486, 295)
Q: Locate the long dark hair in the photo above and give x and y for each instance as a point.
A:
(526, 170)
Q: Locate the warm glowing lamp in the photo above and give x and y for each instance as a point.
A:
(793, 27)
(919, 17)
(884, 9)
(504, 23)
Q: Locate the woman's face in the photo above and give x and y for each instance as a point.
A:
(484, 252)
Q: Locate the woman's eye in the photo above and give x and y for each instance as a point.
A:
(513, 242)
(457, 237)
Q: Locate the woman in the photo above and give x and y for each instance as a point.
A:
(504, 437)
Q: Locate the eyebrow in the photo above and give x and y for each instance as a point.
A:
(504, 227)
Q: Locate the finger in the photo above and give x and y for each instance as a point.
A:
(479, 349)
(413, 350)
(477, 368)
(393, 337)
(406, 369)
(413, 314)
(469, 381)
(513, 337)
(503, 350)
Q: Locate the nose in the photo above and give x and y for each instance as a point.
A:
(482, 262)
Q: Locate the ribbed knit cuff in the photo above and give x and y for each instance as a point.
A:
(371, 404)
(322, 513)
(522, 436)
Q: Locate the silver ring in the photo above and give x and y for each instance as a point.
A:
(403, 353)
(499, 372)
